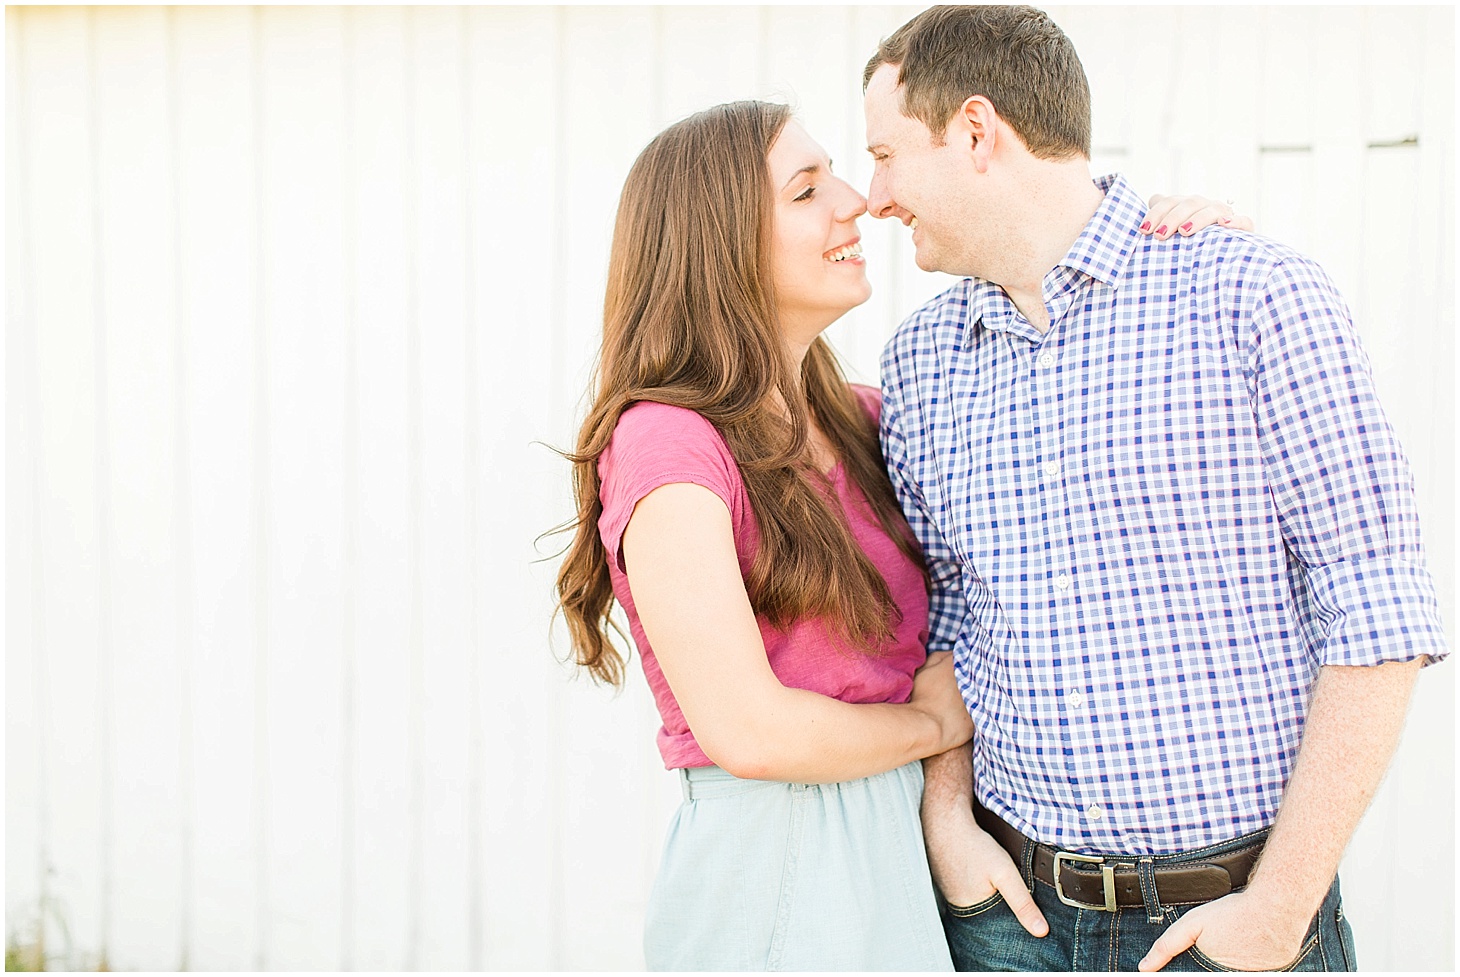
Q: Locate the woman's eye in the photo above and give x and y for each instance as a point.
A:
(805, 194)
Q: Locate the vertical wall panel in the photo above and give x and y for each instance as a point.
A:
(62, 264)
(1151, 107)
(381, 255)
(1394, 46)
(1233, 124)
(1338, 143)
(441, 278)
(217, 248)
(135, 184)
(300, 81)
(517, 218)
(1285, 191)
(25, 829)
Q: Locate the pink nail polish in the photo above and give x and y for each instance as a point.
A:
(1161, 229)
(1146, 226)
(1224, 220)
(1186, 227)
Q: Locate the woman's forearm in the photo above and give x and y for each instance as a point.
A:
(800, 736)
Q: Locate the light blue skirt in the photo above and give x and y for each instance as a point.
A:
(758, 875)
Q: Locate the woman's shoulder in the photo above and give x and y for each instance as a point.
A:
(651, 419)
(662, 436)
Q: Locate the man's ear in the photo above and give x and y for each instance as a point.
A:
(977, 125)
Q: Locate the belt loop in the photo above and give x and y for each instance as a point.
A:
(1146, 872)
(684, 783)
(1031, 848)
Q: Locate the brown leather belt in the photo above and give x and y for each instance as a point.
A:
(1111, 882)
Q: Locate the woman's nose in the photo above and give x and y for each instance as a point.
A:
(854, 206)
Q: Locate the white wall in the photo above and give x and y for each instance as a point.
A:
(295, 299)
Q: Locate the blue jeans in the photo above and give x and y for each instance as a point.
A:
(987, 936)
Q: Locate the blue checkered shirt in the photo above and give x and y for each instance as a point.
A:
(1148, 528)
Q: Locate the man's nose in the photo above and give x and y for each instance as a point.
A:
(879, 201)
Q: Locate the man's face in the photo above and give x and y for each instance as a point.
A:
(926, 186)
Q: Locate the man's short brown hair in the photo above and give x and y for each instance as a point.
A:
(1016, 57)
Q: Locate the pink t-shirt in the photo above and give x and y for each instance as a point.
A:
(656, 444)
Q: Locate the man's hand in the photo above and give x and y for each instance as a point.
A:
(1239, 931)
(969, 866)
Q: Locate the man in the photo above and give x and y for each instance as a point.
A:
(1172, 537)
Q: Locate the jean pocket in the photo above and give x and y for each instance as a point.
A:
(978, 908)
(1207, 963)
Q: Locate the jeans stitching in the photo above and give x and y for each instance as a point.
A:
(977, 909)
(1343, 944)
(1146, 874)
(1207, 963)
(1075, 949)
(1115, 941)
(1303, 953)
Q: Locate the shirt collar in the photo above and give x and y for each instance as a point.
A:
(1101, 251)
(1105, 245)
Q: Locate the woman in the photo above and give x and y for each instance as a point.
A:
(732, 498)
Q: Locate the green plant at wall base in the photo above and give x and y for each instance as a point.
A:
(25, 945)
(25, 954)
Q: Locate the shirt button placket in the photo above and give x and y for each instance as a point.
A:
(1050, 496)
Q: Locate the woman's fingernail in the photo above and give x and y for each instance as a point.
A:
(1161, 229)
(1224, 220)
(1186, 227)
(1146, 226)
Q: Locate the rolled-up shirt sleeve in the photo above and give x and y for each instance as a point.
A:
(1340, 482)
(947, 605)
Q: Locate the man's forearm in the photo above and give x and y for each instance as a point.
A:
(948, 781)
(1353, 726)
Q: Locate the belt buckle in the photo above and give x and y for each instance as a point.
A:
(1107, 877)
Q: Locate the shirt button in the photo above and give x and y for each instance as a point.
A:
(1095, 812)
(1062, 581)
(1051, 468)
(1076, 698)
(1047, 359)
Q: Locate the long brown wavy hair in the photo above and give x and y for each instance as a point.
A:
(689, 319)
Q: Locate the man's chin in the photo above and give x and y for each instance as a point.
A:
(926, 259)
(929, 260)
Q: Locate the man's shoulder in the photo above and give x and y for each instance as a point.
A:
(947, 311)
(1247, 256)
